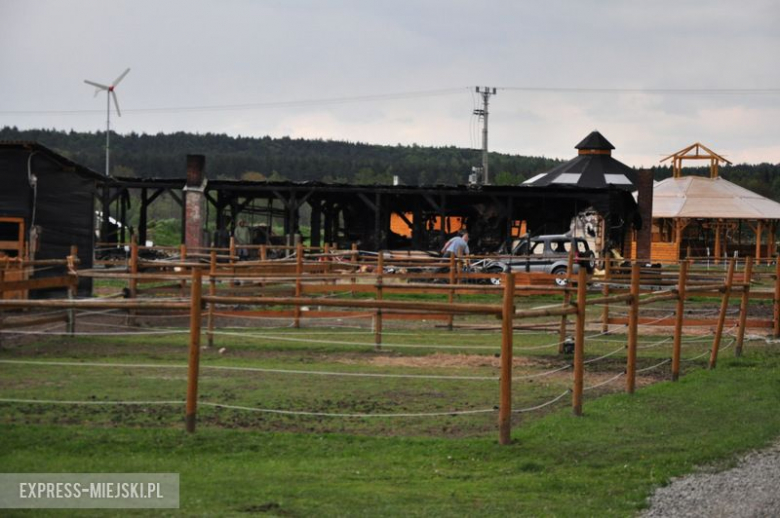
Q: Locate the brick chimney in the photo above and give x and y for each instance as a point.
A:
(644, 237)
(195, 202)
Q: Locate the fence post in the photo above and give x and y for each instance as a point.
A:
(678, 321)
(633, 327)
(579, 342)
(263, 252)
(776, 305)
(183, 258)
(566, 300)
(724, 306)
(380, 266)
(743, 307)
(72, 287)
(194, 353)
(212, 292)
(451, 292)
(133, 283)
(232, 251)
(605, 292)
(354, 260)
(133, 266)
(507, 330)
(3, 266)
(298, 287)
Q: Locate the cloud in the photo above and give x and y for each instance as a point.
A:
(200, 53)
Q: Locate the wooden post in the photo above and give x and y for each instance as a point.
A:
(3, 266)
(507, 329)
(566, 300)
(451, 292)
(298, 286)
(605, 292)
(263, 252)
(579, 343)
(133, 282)
(724, 306)
(194, 356)
(133, 285)
(212, 292)
(776, 302)
(380, 266)
(743, 307)
(633, 325)
(183, 258)
(759, 235)
(678, 321)
(354, 260)
(232, 251)
(717, 242)
(72, 288)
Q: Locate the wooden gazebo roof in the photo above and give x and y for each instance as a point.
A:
(697, 151)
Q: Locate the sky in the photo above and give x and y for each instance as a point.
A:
(652, 76)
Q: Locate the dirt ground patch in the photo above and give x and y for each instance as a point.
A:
(442, 360)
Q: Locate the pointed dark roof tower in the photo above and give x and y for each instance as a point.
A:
(592, 167)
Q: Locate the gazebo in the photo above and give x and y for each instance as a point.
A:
(593, 167)
(696, 216)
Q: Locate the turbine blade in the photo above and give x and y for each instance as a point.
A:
(116, 103)
(97, 85)
(118, 79)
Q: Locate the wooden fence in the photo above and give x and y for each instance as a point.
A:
(634, 287)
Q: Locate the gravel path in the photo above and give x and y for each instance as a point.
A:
(752, 489)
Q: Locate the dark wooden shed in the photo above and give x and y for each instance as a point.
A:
(47, 204)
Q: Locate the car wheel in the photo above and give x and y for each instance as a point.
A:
(561, 277)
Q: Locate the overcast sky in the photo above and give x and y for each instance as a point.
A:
(404, 72)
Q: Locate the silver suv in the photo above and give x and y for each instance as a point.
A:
(541, 254)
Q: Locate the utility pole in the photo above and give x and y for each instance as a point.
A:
(486, 92)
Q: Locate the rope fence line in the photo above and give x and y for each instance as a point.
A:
(606, 382)
(594, 360)
(664, 362)
(348, 415)
(89, 402)
(543, 405)
(87, 333)
(360, 344)
(254, 369)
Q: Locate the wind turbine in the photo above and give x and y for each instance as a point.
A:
(109, 94)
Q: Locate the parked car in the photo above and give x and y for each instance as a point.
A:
(541, 254)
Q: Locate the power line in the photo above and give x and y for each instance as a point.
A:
(659, 91)
(266, 105)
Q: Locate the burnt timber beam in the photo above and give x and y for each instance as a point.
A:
(316, 212)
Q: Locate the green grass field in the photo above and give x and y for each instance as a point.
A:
(605, 463)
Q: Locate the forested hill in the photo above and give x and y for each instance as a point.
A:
(163, 155)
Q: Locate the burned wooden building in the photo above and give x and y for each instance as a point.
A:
(370, 215)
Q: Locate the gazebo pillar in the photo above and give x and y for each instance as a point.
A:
(759, 232)
(717, 242)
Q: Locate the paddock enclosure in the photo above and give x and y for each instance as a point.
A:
(359, 342)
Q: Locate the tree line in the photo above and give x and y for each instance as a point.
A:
(265, 158)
